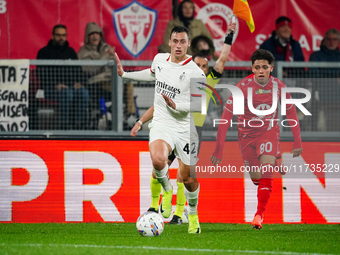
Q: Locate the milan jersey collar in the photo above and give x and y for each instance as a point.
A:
(184, 62)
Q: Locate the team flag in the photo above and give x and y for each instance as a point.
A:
(241, 9)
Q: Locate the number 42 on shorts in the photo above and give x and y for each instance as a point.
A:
(187, 149)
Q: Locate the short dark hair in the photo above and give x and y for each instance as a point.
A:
(58, 26)
(261, 54)
(180, 29)
(199, 55)
(332, 31)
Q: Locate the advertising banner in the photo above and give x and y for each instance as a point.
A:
(136, 28)
(14, 77)
(108, 181)
(132, 27)
(305, 15)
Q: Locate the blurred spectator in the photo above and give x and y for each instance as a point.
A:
(95, 48)
(326, 84)
(186, 11)
(63, 83)
(203, 45)
(281, 43)
(329, 48)
(99, 77)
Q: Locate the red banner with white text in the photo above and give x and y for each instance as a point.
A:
(311, 19)
(136, 28)
(108, 181)
(132, 27)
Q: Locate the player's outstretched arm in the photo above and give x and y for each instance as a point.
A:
(144, 75)
(148, 115)
(120, 69)
(220, 62)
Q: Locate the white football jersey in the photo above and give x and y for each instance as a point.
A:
(173, 80)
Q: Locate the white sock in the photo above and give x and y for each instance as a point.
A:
(192, 198)
(163, 177)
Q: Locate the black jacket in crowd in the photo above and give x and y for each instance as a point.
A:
(50, 76)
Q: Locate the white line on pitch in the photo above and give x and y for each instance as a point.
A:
(160, 248)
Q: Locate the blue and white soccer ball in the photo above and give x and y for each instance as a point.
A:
(150, 224)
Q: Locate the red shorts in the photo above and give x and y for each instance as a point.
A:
(253, 148)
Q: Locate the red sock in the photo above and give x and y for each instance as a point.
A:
(263, 191)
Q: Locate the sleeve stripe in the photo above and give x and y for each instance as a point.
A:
(187, 61)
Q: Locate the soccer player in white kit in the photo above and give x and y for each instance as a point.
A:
(172, 126)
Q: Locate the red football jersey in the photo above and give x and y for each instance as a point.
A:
(249, 123)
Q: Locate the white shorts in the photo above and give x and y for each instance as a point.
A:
(184, 144)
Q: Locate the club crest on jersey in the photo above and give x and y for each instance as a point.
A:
(182, 76)
(135, 26)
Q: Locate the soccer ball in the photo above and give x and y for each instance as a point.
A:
(150, 224)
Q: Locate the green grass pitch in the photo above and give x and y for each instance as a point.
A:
(123, 238)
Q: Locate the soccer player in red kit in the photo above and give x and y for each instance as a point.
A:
(259, 135)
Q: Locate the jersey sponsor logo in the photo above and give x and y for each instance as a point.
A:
(135, 26)
(163, 88)
(216, 17)
(263, 91)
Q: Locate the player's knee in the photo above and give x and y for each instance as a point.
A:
(189, 181)
(191, 184)
(185, 177)
(158, 161)
(158, 164)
